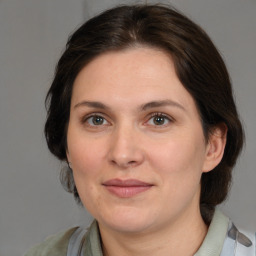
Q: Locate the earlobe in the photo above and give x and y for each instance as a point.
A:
(68, 160)
(67, 156)
(215, 147)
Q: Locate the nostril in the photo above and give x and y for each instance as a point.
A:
(125, 155)
(125, 164)
(131, 163)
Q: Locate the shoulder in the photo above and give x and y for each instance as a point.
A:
(246, 242)
(55, 245)
(223, 238)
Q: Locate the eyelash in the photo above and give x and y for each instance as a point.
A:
(161, 115)
(87, 117)
(151, 116)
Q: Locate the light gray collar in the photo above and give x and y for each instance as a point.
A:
(214, 240)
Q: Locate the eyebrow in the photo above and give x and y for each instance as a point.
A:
(92, 104)
(161, 103)
(143, 107)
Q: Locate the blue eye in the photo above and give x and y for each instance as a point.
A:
(159, 120)
(96, 120)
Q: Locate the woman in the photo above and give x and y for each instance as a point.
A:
(141, 109)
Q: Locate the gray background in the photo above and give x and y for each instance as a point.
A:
(32, 36)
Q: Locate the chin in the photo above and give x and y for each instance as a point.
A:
(126, 221)
(129, 226)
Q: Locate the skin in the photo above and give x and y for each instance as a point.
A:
(126, 136)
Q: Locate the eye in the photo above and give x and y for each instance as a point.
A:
(96, 120)
(159, 119)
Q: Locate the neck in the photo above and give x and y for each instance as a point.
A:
(182, 237)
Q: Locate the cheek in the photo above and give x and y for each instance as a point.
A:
(86, 157)
(177, 156)
(86, 165)
(85, 153)
(179, 167)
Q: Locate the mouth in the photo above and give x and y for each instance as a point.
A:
(126, 188)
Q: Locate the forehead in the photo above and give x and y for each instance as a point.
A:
(138, 59)
(140, 73)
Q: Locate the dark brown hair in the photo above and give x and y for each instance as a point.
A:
(198, 65)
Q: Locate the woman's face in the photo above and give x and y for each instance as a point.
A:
(135, 141)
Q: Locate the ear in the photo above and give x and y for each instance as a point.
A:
(215, 147)
(69, 163)
(67, 155)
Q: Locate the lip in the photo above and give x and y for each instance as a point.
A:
(126, 188)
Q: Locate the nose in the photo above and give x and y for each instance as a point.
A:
(126, 150)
